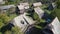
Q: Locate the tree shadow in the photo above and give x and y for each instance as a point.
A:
(6, 27)
(34, 30)
(42, 24)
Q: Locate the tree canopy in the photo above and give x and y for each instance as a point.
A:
(4, 18)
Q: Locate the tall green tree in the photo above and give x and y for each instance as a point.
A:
(4, 18)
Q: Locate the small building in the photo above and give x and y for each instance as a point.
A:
(39, 11)
(22, 21)
(22, 7)
(37, 4)
(54, 26)
(26, 5)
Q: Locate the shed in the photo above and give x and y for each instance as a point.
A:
(39, 11)
(37, 4)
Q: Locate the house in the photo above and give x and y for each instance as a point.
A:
(23, 6)
(54, 27)
(37, 4)
(39, 11)
(22, 21)
(2, 2)
(29, 19)
(6, 7)
(26, 5)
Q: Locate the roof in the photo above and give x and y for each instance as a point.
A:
(27, 21)
(17, 22)
(56, 26)
(6, 7)
(23, 6)
(39, 11)
(37, 4)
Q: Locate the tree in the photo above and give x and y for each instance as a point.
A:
(4, 18)
(7, 32)
(16, 30)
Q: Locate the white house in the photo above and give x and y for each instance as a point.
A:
(39, 11)
(37, 4)
(6, 7)
(23, 6)
(56, 26)
(26, 5)
(22, 21)
(29, 19)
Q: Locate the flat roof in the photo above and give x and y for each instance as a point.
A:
(39, 11)
(37, 4)
(56, 26)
